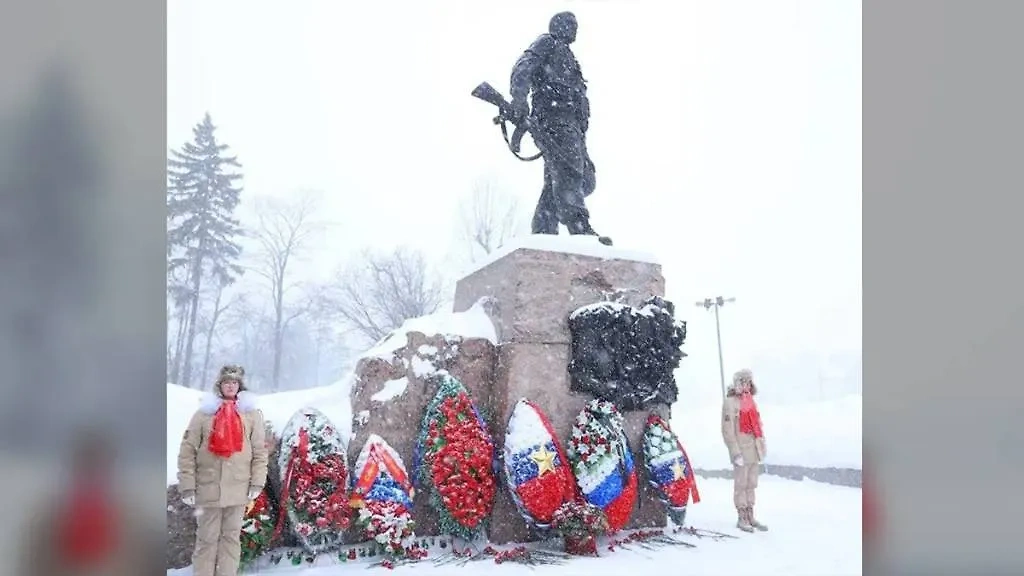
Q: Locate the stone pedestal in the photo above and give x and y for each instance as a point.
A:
(532, 293)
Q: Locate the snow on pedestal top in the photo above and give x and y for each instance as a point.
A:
(567, 244)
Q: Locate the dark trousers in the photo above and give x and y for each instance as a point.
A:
(569, 177)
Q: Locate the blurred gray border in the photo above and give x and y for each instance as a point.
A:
(84, 263)
(943, 283)
(944, 293)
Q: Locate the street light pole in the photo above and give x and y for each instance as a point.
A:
(716, 303)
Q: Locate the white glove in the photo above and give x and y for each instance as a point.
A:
(254, 494)
(738, 461)
(189, 500)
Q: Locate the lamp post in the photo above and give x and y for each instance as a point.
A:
(716, 303)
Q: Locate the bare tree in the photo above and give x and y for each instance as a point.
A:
(323, 325)
(179, 295)
(248, 328)
(170, 345)
(219, 307)
(283, 232)
(489, 217)
(381, 291)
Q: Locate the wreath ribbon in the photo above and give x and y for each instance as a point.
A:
(297, 459)
(374, 463)
(694, 494)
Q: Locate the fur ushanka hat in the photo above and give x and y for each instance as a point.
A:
(741, 377)
(232, 372)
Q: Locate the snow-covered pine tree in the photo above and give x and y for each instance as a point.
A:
(203, 192)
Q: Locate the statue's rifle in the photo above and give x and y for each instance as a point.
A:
(506, 114)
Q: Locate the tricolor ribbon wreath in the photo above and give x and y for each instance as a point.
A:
(383, 497)
(669, 468)
(535, 466)
(602, 462)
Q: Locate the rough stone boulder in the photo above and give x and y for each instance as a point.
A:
(392, 389)
(181, 530)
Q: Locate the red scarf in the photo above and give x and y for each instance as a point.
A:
(226, 436)
(88, 529)
(750, 418)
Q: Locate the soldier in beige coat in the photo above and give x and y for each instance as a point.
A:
(222, 466)
(744, 438)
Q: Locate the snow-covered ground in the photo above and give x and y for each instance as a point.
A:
(815, 529)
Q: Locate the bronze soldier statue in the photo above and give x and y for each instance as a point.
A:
(550, 75)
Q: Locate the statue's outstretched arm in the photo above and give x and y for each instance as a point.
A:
(527, 65)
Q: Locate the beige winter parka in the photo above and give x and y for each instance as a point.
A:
(220, 482)
(753, 450)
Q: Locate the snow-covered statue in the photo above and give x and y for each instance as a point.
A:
(557, 120)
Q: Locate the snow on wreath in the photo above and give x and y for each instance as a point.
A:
(382, 494)
(602, 462)
(536, 469)
(627, 355)
(314, 481)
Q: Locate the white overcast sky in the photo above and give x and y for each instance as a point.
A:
(727, 137)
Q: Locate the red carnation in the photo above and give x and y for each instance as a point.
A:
(458, 462)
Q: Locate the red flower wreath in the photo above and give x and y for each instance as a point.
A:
(316, 493)
(461, 468)
(457, 461)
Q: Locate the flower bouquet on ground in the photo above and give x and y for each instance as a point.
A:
(580, 524)
(649, 539)
(257, 529)
(388, 524)
(519, 554)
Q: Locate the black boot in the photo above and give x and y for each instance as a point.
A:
(582, 226)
